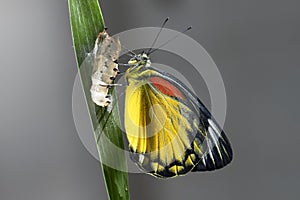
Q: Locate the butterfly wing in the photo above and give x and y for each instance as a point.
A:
(169, 130)
(218, 149)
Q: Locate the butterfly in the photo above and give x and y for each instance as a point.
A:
(169, 130)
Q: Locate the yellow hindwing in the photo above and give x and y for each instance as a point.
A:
(159, 130)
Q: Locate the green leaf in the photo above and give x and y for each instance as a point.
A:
(86, 22)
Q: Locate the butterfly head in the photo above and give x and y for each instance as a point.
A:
(140, 60)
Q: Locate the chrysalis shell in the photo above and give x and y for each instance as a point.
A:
(106, 51)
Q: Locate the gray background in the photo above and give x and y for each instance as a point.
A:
(256, 46)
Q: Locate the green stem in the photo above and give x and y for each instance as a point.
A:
(86, 22)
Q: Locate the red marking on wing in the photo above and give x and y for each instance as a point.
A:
(166, 87)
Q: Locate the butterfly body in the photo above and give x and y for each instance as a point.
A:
(170, 132)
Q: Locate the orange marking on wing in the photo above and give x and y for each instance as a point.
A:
(166, 87)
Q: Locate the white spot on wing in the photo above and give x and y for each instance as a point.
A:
(141, 158)
(214, 126)
(213, 132)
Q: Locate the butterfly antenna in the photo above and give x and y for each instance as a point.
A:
(154, 41)
(177, 35)
(130, 51)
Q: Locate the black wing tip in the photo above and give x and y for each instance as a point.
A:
(213, 160)
(209, 165)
